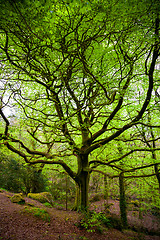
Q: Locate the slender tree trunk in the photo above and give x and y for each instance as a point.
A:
(122, 201)
(106, 188)
(66, 192)
(156, 169)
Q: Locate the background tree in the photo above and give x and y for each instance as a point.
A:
(15, 176)
(72, 68)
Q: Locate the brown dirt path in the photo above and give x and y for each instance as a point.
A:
(17, 226)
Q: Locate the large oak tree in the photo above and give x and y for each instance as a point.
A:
(70, 69)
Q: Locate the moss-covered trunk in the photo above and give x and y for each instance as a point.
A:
(82, 184)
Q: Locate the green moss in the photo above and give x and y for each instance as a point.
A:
(36, 196)
(41, 197)
(17, 198)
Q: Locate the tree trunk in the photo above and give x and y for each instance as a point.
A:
(81, 201)
(106, 195)
(77, 199)
(156, 169)
(66, 192)
(122, 201)
(84, 186)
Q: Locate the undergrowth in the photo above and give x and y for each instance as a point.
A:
(93, 221)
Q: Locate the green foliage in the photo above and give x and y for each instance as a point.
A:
(16, 177)
(34, 180)
(47, 204)
(38, 212)
(10, 176)
(58, 187)
(93, 221)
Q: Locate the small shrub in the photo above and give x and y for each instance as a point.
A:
(105, 220)
(93, 221)
(47, 204)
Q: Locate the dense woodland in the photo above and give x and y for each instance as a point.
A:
(80, 100)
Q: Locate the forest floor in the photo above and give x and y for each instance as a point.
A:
(15, 224)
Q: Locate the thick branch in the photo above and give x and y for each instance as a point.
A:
(59, 162)
(6, 121)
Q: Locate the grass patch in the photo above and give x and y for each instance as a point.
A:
(38, 212)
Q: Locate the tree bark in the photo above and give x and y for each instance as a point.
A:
(77, 198)
(106, 188)
(156, 169)
(82, 184)
(122, 201)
